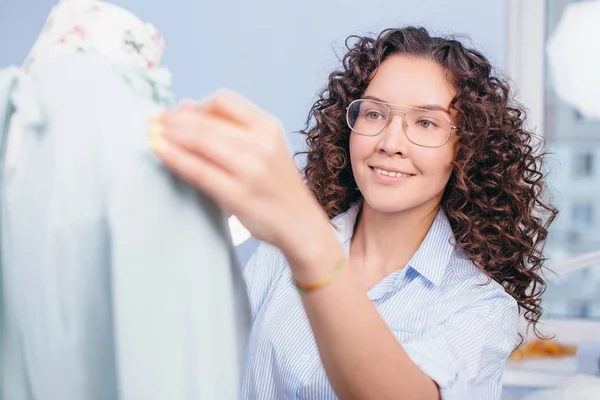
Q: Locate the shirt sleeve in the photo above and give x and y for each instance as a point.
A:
(466, 354)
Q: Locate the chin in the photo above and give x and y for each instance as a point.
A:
(389, 204)
(400, 202)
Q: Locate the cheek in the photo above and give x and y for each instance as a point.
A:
(435, 162)
(360, 148)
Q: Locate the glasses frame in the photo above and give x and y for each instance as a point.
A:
(404, 123)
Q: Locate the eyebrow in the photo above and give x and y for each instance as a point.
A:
(430, 107)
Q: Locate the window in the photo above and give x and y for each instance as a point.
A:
(573, 142)
(581, 215)
(583, 165)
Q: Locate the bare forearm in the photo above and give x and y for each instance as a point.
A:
(362, 358)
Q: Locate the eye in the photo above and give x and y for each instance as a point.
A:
(374, 115)
(426, 124)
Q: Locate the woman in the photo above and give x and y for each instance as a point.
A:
(434, 188)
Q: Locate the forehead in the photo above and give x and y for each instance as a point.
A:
(411, 81)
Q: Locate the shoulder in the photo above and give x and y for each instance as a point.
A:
(102, 81)
(480, 293)
(266, 258)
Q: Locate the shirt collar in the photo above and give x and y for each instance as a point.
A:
(431, 258)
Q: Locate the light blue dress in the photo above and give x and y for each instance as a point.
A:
(455, 324)
(119, 280)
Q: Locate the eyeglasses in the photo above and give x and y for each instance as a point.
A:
(422, 127)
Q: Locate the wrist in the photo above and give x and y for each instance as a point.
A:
(312, 250)
(325, 280)
(305, 227)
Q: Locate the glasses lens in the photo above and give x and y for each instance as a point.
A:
(367, 117)
(427, 128)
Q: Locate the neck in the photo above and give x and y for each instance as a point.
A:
(385, 242)
(76, 26)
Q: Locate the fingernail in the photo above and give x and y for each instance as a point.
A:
(158, 144)
(155, 127)
(156, 117)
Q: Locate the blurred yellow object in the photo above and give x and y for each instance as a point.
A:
(543, 348)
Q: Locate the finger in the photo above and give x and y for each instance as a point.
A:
(186, 105)
(199, 133)
(189, 104)
(212, 180)
(230, 105)
(221, 143)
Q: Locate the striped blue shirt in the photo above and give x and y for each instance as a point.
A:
(457, 325)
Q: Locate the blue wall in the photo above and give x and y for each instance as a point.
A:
(277, 53)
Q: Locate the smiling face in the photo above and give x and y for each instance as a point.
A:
(393, 173)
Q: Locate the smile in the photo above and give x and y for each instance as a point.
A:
(391, 174)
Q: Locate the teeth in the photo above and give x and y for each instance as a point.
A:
(389, 173)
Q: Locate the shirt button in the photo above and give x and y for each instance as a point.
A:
(305, 358)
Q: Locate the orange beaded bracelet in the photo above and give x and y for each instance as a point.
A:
(330, 277)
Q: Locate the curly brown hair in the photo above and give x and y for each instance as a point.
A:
(494, 198)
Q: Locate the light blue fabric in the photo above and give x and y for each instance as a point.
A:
(119, 280)
(7, 79)
(455, 324)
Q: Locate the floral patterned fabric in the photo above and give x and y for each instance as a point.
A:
(91, 25)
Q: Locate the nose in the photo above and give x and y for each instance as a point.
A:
(393, 139)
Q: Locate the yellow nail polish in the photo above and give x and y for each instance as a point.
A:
(159, 145)
(156, 118)
(154, 129)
